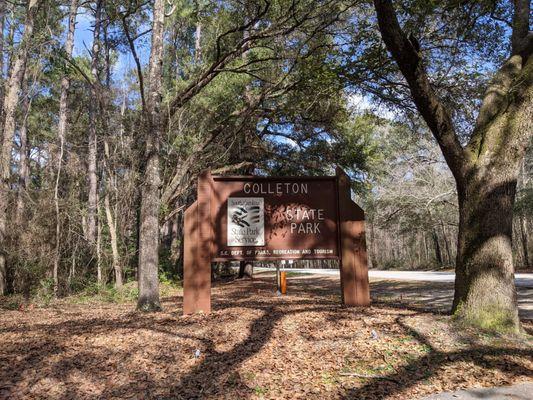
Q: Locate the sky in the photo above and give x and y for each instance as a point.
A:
(83, 39)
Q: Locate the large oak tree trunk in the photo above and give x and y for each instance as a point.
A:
(485, 169)
(484, 287)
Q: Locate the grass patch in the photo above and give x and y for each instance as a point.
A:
(260, 391)
(106, 294)
(91, 294)
(126, 294)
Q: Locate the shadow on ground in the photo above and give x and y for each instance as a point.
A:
(253, 345)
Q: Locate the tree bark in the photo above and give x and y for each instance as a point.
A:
(11, 42)
(198, 42)
(61, 133)
(485, 290)
(246, 269)
(111, 224)
(99, 273)
(484, 286)
(3, 9)
(23, 155)
(436, 246)
(8, 129)
(524, 236)
(485, 170)
(446, 244)
(93, 137)
(150, 200)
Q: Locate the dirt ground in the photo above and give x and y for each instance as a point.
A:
(254, 345)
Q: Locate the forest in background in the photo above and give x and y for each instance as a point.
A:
(269, 88)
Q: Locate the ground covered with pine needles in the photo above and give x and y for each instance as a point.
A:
(254, 345)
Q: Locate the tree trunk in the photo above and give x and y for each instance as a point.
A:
(99, 275)
(523, 234)
(8, 129)
(485, 169)
(246, 269)
(3, 10)
(150, 200)
(149, 233)
(198, 42)
(484, 286)
(114, 242)
(446, 244)
(176, 242)
(11, 43)
(23, 156)
(61, 133)
(93, 121)
(372, 245)
(485, 289)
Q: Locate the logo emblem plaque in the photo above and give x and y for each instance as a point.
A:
(246, 221)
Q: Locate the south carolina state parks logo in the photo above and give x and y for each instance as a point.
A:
(246, 221)
(245, 216)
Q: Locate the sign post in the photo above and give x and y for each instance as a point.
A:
(267, 218)
(278, 277)
(283, 282)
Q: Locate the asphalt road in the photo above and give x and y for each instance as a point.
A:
(411, 286)
(522, 280)
(521, 391)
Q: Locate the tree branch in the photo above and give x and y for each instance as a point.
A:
(131, 42)
(409, 61)
(521, 38)
(496, 96)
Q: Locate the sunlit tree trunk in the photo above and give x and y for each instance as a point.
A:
(485, 287)
(93, 122)
(110, 187)
(114, 242)
(198, 42)
(23, 156)
(61, 133)
(99, 273)
(485, 169)
(3, 9)
(524, 237)
(150, 200)
(7, 127)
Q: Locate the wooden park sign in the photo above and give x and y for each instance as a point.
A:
(266, 218)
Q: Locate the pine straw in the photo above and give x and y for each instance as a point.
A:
(254, 345)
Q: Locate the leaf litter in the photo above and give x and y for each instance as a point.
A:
(254, 345)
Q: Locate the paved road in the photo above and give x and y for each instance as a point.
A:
(523, 280)
(522, 391)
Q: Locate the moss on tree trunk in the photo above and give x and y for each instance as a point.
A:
(485, 293)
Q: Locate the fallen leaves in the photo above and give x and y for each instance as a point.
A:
(253, 346)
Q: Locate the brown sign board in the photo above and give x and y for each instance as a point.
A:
(257, 218)
(268, 218)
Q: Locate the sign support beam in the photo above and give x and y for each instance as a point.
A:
(198, 246)
(353, 264)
